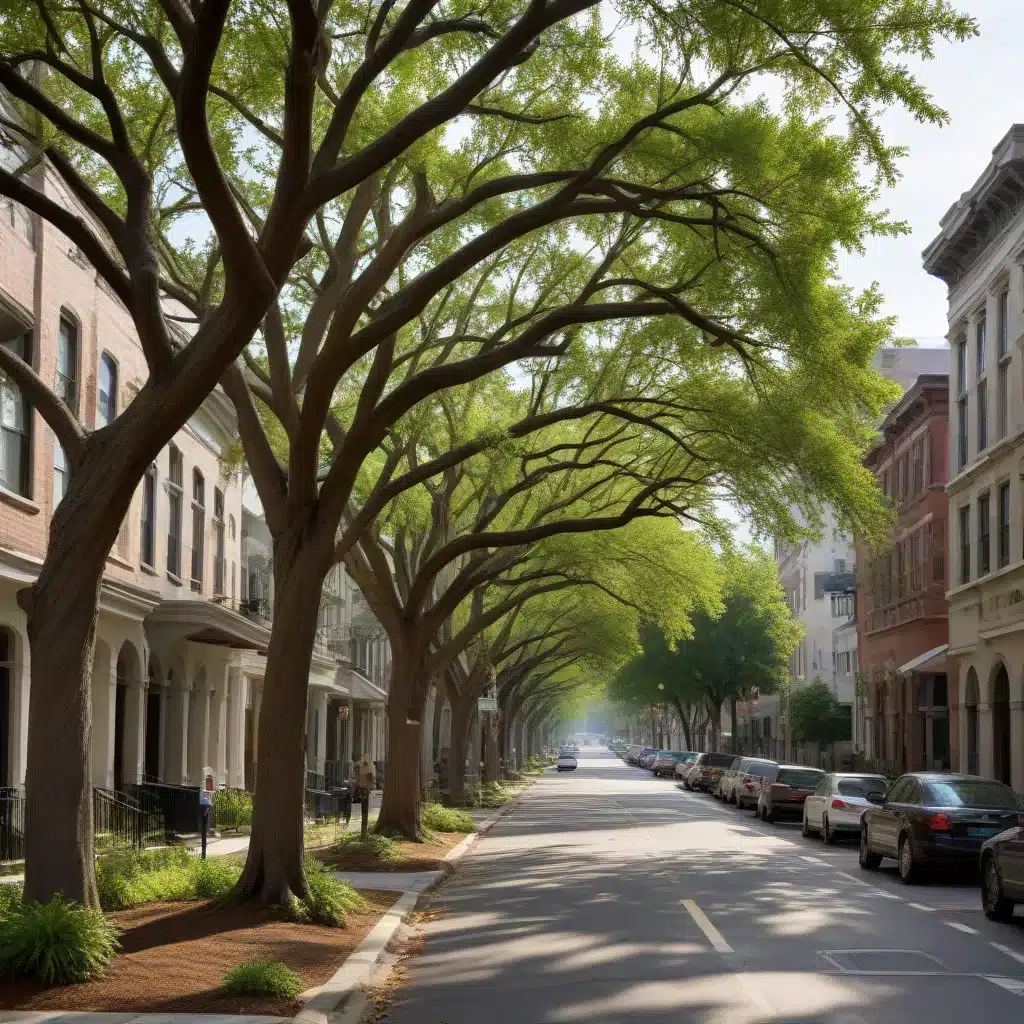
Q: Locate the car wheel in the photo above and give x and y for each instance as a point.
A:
(868, 860)
(907, 864)
(996, 906)
(826, 832)
(805, 830)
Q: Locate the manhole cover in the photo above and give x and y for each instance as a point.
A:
(882, 961)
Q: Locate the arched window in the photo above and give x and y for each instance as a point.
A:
(67, 362)
(106, 404)
(15, 424)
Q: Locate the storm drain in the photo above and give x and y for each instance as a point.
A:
(882, 961)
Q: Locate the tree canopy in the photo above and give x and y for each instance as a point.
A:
(816, 716)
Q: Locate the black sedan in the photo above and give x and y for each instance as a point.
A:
(1002, 872)
(928, 819)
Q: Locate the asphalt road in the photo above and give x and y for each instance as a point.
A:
(610, 897)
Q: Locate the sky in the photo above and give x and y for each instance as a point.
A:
(974, 82)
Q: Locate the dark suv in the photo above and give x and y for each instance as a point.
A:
(707, 770)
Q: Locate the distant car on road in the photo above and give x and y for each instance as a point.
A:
(929, 818)
(785, 790)
(566, 760)
(836, 806)
(1002, 872)
(707, 769)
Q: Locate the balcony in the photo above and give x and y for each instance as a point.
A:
(905, 610)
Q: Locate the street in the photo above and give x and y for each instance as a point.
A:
(610, 896)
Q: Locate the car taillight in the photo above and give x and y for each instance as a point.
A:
(747, 784)
(840, 805)
(939, 823)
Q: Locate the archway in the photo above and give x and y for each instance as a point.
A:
(1001, 725)
(971, 699)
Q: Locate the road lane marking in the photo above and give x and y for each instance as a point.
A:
(966, 929)
(921, 906)
(815, 860)
(1014, 985)
(850, 878)
(711, 933)
(1019, 957)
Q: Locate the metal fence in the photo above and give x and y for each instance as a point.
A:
(12, 826)
(121, 822)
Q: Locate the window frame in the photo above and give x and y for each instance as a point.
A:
(149, 505)
(175, 521)
(22, 346)
(107, 360)
(68, 387)
(198, 566)
(1003, 524)
(984, 534)
(964, 525)
(982, 414)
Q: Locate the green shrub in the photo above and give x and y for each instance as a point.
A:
(491, 794)
(232, 809)
(10, 896)
(57, 942)
(328, 899)
(130, 879)
(375, 845)
(447, 819)
(263, 978)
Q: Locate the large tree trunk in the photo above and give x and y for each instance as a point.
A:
(401, 800)
(462, 715)
(62, 609)
(274, 866)
(687, 736)
(492, 766)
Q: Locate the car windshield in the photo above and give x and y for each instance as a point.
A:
(861, 787)
(763, 769)
(971, 793)
(802, 778)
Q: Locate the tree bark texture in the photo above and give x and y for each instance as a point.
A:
(62, 610)
(462, 715)
(492, 764)
(402, 797)
(274, 866)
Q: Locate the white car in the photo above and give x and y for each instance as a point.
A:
(836, 806)
(566, 762)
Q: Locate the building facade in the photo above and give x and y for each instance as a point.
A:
(902, 626)
(979, 254)
(186, 601)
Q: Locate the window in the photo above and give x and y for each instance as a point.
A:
(965, 544)
(15, 424)
(979, 351)
(1002, 324)
(106, 404)
(961, 367)
(60, 473)
(984, 554)
(961, 433)
(1002, 399)
(917, 463)
(147, 542)
(174, 504)
(66, 384)
(219, 566)
(1004, 524)
(198, 529)
(982, 415)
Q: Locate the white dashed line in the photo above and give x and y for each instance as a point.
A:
(1019, 957)
(711, 933)
(815, 860)
(850, 878)
(966, 929)
(921, 906)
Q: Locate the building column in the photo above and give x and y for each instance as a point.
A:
(1017, 745)
(176, 762)
(20, 680)
(199, 732)
(962, 718)
(236, 728)
(161, 768)
(104, 697)
(134, 752)
(320, 701)
(986, 750)
(350, 725)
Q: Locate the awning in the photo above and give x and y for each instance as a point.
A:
(208, 623)
(931, 661)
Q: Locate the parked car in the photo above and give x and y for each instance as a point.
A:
(646, 759)
(748, 786)
(684, 768)
(666, 761)
(566, 760)
(784, 791)
(631, 753)
(642, 755)
(927, 818)
(731, 779)
(838, 803)
(1002, 872)
(707, 769)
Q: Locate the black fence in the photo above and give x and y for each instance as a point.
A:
(174, 809)
(12, 826)
(119, 821)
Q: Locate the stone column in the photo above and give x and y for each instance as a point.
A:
(236, 728)
(986, 765)
(1017, 745)
(350, 726)
(161, 766)
(199, 733)
(20, 679)
(963, 737)
(179, 702)
(104, 697)
(321, 699)
(219, 728)
(134, 731)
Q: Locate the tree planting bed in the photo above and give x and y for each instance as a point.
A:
(174, 956)
(409, 856)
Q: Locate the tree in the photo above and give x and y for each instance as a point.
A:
(710, 222)
(745, 643)
(816, 716)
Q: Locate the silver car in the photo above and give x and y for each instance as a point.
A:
(748, 785)
(836, 806)
(731, 779)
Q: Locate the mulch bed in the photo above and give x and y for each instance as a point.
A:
(174, 956)
(411, 856)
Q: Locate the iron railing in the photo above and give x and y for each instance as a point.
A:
(120, 821)
(12, 826)
(173, 809)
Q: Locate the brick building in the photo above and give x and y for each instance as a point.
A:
(902, 626)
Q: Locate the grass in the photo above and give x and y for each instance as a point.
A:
(56, 943)
(263, 978)
(374, 845)
(10, 896)
(328, 899)
(130, 879)
(232, 809)
(446, 819)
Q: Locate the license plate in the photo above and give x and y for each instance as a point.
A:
(983, 831)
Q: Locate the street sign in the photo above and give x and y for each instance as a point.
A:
(487, 704)
(205, 798)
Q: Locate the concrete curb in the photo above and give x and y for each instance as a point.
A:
(325, 999)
